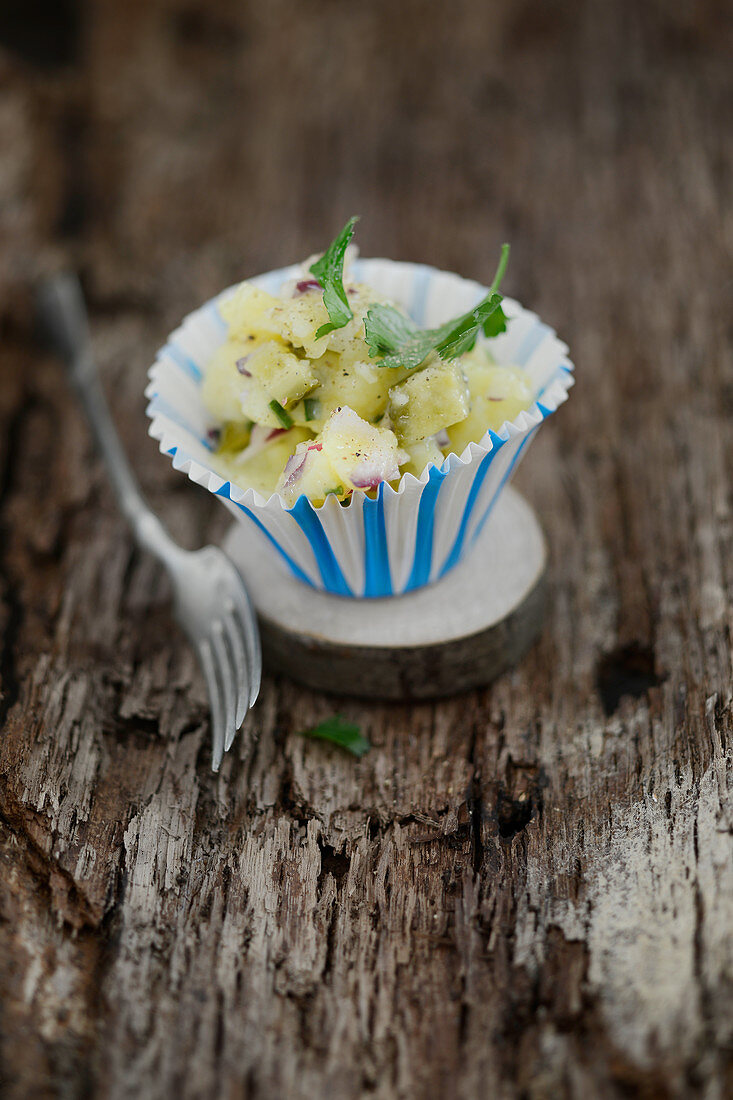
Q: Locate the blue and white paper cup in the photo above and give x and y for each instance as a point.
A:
(405, 537)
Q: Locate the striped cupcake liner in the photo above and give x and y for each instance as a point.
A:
(405, 537)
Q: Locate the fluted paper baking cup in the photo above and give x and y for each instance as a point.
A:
(405, 537)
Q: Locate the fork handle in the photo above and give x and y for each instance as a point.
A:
(65, 316)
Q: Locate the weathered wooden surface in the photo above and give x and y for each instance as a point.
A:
(526, 892)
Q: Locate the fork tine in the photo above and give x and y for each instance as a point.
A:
(215, 701)
(248, 631)
(234, 638)
(246, 620)
(226, 677)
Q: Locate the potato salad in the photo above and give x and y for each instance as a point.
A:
(329, 389)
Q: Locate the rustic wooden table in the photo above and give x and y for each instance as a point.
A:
(524, 892)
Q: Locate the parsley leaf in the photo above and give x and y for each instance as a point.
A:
(340, 732)
(387, 328)
(402, 343)
(397, 338)
(329, 271)
(496, 322)
(459, 336)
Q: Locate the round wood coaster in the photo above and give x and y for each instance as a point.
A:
(448, 637)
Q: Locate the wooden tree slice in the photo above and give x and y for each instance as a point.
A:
(448, 637)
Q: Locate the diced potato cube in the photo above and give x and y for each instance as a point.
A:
(255, 401)
(362, 454)
(262, 467)
(241, 384)
(353, 383)
(284, 376)
(430, 399)
(249, 310)
(223, 386)
(349, 454)
(309, 472)
(298, 319)
(498, 394)
(421, 453)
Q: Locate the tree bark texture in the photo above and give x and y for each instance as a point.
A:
(522, 892)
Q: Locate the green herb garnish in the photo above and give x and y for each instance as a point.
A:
(496, 321)
(329, 271)
(285, 418)
(402, 343)
(312, 408)
(340, 732)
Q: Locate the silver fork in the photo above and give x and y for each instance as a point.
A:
(210, 599)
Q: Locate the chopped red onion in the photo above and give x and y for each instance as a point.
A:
(369, 475)
(366, 482)
(294, 469)
(305, 285)
(241, 367)
(441, 438)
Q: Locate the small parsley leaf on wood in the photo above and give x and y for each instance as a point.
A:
(340, 732)
(329, 271)
(402, 343)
